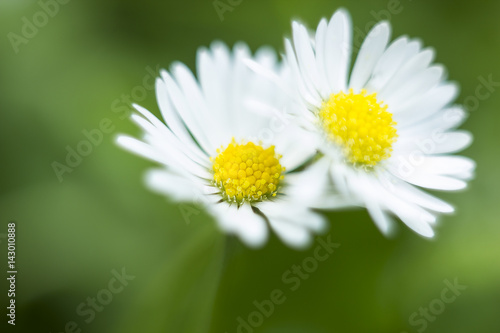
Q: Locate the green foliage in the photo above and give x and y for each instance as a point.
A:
(79, 69)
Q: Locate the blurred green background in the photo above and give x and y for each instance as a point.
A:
(88, 61)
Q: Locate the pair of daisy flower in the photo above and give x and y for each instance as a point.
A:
(259, 142)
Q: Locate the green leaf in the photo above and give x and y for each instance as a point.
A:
(180, 295)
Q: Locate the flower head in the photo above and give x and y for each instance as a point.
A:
(386, 128)
(227, 145)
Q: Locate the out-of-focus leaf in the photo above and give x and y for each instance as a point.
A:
(180, 295)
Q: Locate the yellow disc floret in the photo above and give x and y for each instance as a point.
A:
(247, 172)
(360, 125)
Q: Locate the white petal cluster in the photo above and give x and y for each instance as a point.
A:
(237, 96)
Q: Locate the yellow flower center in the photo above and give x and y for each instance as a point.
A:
(360, 125)
(247, 172)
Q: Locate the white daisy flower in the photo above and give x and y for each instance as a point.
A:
(226, 145)
(386, 128)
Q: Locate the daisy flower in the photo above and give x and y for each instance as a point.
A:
(386, 128)
(225, 144)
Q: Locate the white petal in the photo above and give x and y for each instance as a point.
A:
(246, 84)
(371, 50)
(188, 117)
(253, 230)
(178, 159)
(433, 144)
(243, 222)
(214, 93)
(389, 63)
(292, 235)
(418, 223)
(310, 184)
(413, 216)
(417, 86)
(270, 75)
(449, 118)
(168, 112)
(266, 56)
(407, 71)
(412, 194)
(425, 105)
(369, 190)
(320, 53)
(240, 86)
(173, 120)
(307, 92)
(340, 173)
(378, 196)
(198, 114)
(175, 186)
(149, 116)
(166, 140)
(293, 212)
(175, 152)
(332, 200)
(305, 55)
(382, 220)
(454, 142)
(338, 46)
(296, 146)
(447, 165)
(465, 175)
(431, 181)
(141, 148)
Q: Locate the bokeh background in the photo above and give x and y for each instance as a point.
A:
(92, 58)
